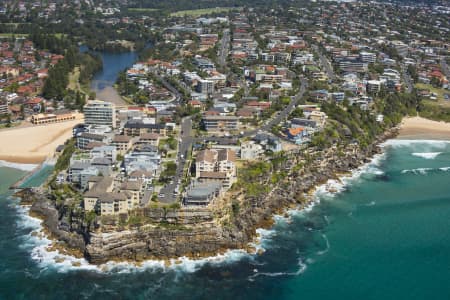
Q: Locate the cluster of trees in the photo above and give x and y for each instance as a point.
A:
(74, 100)
(58, 78)
(250, 178)
(90, 63)
(52, 42)
(63, 161)
(162, 51)
(413, 73)
(55, 86)
(351, 123)
(433, 111)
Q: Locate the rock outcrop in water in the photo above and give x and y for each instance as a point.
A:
(203, 232)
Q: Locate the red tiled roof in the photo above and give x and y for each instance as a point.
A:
(295, 131)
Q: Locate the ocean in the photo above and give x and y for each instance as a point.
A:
(385, 235)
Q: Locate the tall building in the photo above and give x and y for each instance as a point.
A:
(98, 112)
(3, 107)
(205, 87)
(402, 48)
(367, 57)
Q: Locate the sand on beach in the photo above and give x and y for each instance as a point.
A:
(421, 128)
(109, 94)
(34, 144)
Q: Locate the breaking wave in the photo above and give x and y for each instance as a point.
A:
(47, 257)
(425, 171)
(302, 266)
(23, 167)
(327, 245)
(408, 143)
(427, 155)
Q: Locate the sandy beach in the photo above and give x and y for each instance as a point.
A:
(109, 94)
(421, 128)
(31, 145)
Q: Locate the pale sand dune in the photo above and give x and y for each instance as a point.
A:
(34, 144)
(421, 128)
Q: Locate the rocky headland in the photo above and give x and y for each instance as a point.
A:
(201, 232)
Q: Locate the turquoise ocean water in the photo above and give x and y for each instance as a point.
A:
(385, 236)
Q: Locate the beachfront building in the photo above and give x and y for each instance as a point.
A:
(140, 127)
(216, 165)
(105, 200)
(98, 112)
(85, 138)
(123, 143)
(4, 108)
(40, 119)
(202, 193)
(251, 150)
(218, 123)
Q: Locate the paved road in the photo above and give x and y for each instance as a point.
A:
(187, 139)
(406, 78)
(287, 111)
(325, 63)
(183, 148)
(279, 118)
(168, 86)
(224, 46)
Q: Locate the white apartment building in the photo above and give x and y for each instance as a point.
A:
(98, 112)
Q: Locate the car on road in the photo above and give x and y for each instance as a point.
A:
(161, 195)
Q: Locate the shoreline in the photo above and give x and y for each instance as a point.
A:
(418, 128)
(284, 204)
(301, 196)
(35, 144)
(23, 159)
(27, 167)
(62, 256)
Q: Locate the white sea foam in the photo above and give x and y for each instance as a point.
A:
(417, 171)
(424, 171)
(23, 167)
(41, 252)
(302, 266)
(327, 245)
(47, 258)
(406, 143)
(333, 187)
(427, 155)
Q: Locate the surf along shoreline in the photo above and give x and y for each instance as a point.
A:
(123, 246)
(299, 195)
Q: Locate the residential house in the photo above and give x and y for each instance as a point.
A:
(251, 150)
(221, 123)
(216, 165)
(296, 135)
(123, 143)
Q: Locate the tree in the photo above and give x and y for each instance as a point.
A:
(22, 111)
(8, 120)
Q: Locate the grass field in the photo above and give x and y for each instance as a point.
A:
(9, 35)
(73, 79)
(439, 109)
(438, 91)
(142, 10)
(203, 11)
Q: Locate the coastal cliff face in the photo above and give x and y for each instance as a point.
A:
(195, 232)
